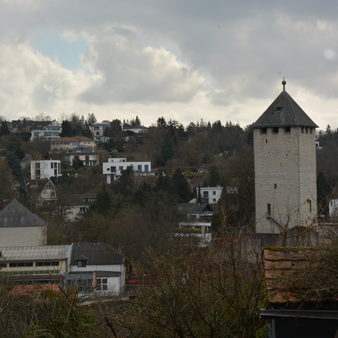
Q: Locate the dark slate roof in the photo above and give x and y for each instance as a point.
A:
(193, 208)
(284, 112)
(97, 253)
(14, 214)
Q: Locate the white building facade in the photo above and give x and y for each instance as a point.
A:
(285, 167)
(45, 169)
(50, 132)
(211, 195)
(115, 166)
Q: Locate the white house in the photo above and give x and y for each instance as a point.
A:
(45, 169)
(114, 167)
(47, 191)
(96, 269)
(211, 195)
(76, 205)
(49, 132)
(97, 130)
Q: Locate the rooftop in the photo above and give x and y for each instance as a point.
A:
(45, 252)
(14, 214)
(284, 112)
(96, 253)
(72, 139)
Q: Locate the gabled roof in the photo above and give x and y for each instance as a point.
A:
(14, 214)
(97, 253)
(284, 112)
(194, 208)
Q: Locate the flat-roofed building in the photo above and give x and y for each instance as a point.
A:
(45, 169)
(115, 166)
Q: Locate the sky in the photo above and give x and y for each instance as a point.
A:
(182, 59)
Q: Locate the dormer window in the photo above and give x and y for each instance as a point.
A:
(81, 262)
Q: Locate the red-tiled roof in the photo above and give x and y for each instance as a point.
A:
(72, 139)
(280, 269)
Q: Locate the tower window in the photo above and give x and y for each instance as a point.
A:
(311, 130)
(302, 130)
(275, 186)
(268, 209)
(287, 129)
(266, 140)
(310, 205)
(275, 130)
(306, 130)
(279, 108)
(264, 130)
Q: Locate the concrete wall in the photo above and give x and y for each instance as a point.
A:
(23, 236)
(285, 178)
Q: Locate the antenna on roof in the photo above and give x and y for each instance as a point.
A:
(283, 83)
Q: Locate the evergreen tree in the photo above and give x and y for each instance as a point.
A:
(66, 129)
(91, 119)
(181, 186)
(4, 129)
(167, 148)
(214, 177)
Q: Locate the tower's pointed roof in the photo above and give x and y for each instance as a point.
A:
(14, 214)
(284, 112)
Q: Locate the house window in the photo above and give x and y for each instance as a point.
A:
(214, 200)
(113, 169)
(20, 265)
(205, 194)
(264, 130)
(101, 284)
(51, 165)
(81, 263)
(139, 167)
(83, 210)
(146, 168)
(288, 129)
(47, 263)
(3, 265)
(214, 192)
(268, 209)
(275, 130)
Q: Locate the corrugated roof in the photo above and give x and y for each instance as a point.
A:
(98, 253)
(42, 252)
(284, 112)
(14, 214)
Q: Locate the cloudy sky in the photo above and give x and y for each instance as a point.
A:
(182, 59)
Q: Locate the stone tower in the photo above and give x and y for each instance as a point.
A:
(285, 167)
